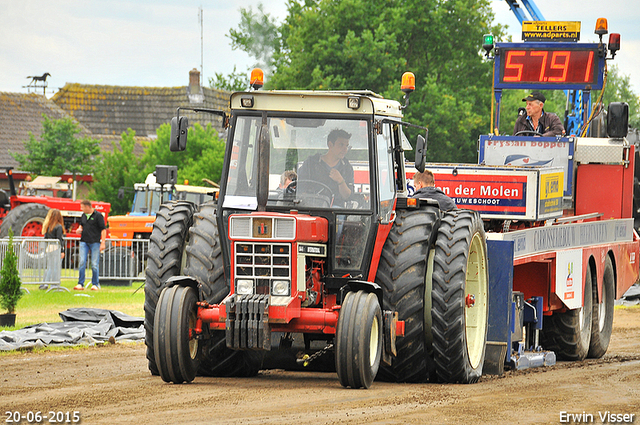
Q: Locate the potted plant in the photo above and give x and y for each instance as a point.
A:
(10, 291)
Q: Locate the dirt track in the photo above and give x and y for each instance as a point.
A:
(111, 384)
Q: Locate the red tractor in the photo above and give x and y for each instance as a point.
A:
(26, 212)
(341, 260)
(312, 267)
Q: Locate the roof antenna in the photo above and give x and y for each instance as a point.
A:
(201, 19)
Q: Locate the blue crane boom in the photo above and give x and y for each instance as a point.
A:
(531, 7)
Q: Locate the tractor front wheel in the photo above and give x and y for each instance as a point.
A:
(176, 349)
(165, 260)
(358, 340)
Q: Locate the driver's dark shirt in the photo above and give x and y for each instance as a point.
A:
(549, 125)
(315, 169)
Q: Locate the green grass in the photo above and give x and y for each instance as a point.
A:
(39, 306)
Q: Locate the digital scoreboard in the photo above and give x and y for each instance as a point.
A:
(548, 66)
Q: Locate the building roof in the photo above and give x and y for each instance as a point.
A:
(21, 114)
(111, 110)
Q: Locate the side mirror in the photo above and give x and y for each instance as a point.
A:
(121, 193)
(179, 129)
(166, 174)
(421, 153)
(618, 120)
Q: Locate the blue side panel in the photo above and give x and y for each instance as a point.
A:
(500, 263)
(500, 258)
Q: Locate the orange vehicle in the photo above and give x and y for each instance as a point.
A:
(149, 195)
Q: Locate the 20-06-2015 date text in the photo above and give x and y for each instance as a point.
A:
(37, 417)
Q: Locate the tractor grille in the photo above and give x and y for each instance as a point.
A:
(262, 263)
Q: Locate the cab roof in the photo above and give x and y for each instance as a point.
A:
(317, 101)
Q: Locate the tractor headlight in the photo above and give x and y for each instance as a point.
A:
(281, 288)
(244, 287)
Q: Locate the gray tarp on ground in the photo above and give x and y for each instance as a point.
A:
(80, 326)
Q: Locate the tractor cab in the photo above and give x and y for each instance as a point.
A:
(334, 158)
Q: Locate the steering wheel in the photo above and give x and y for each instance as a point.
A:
(291, 189)
(535, 133)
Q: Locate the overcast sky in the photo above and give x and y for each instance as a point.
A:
(156, 43)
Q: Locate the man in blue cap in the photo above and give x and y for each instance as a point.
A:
(546, 124)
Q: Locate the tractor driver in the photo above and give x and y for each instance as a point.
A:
(332, 169)
(536, 120)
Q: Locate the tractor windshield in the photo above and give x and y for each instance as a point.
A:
(147, 202)
(313, 163)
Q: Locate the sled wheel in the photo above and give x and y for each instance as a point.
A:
(460, 297)
(602, 316)
(176, 349)
(165, 259)
(568, 333)
(358, 340)
(403, 275)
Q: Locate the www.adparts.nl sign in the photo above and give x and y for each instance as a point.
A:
(550, 31)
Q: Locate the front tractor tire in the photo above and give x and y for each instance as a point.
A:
(460, 297)
(359, 340)
(165, 260)
(176, 349)
(403, 275)
(26, 220)
(204, 262)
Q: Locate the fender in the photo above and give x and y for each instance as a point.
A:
(357, 285)
(182, 281)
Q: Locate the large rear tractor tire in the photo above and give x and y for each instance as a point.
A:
(165, 260)
(460, 297)
(177, 352)
(26, 221)
(402, 273)
(204, 262)
(359, 340)
(602, 316)
(568, 333)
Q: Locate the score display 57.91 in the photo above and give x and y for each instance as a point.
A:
(544, 65)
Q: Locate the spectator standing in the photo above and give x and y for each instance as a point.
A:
(94, 234)
(53, 228)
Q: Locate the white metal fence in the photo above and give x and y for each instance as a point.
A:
(122, 262)
(39, 260)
